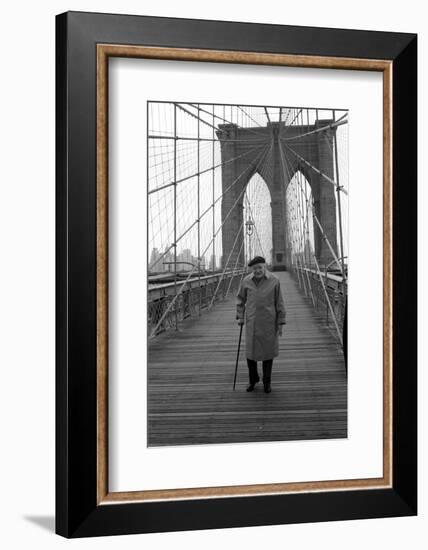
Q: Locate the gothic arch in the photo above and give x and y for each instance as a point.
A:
(306, 192)
(241, 151)
(257, 179)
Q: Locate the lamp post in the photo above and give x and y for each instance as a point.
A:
(249, 225)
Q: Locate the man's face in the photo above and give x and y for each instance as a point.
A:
(258, 270)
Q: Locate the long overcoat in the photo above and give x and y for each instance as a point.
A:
(262, 308)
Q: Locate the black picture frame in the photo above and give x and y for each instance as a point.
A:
(78, 510)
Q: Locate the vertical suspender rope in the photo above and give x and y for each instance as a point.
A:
(339, 208)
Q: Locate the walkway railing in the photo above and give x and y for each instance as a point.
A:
(327, 291)
(197, 294)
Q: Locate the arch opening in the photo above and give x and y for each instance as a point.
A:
(257, 220)
(301, 234)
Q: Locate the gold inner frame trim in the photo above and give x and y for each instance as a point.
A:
(104, 51)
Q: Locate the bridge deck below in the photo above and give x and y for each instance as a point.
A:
(190, 381)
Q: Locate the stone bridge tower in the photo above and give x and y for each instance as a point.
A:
(257, 150)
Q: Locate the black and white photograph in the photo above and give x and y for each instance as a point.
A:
(247, 270)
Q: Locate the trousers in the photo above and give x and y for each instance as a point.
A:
(253, 373)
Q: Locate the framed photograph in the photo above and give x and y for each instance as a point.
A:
(236, 303)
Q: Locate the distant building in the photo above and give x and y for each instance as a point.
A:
(169, 257)
(212, 264)
(186, 257)
(159, 263)
(154, 263)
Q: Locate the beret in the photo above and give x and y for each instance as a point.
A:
(256, 260)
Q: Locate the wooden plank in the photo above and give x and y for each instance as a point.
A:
(190, 379)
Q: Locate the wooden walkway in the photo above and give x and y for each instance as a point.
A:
(190, 381)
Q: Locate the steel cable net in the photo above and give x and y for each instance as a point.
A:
(312, 179)
(189, 205)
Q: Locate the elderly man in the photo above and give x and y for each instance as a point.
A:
(259, 303)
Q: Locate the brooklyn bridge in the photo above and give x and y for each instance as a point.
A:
(226, 183)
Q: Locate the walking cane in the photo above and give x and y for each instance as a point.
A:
(237, 357)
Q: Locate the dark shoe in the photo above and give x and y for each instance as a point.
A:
(267, 387)
(252, 384)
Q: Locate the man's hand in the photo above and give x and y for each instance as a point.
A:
(240, 321)
(279, 330)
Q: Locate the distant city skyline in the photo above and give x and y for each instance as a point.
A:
(164, 261)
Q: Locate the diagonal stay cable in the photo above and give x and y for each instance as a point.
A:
(338, 122)
(319, 172)
(300, 239)
(234, 271)
(223, 119)
(239, 270)
(292, 122)
(207, 209)
(323, 234)
(203, 171)
(239, 232)
(250, 117)
(179, 292)
(195, 116)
